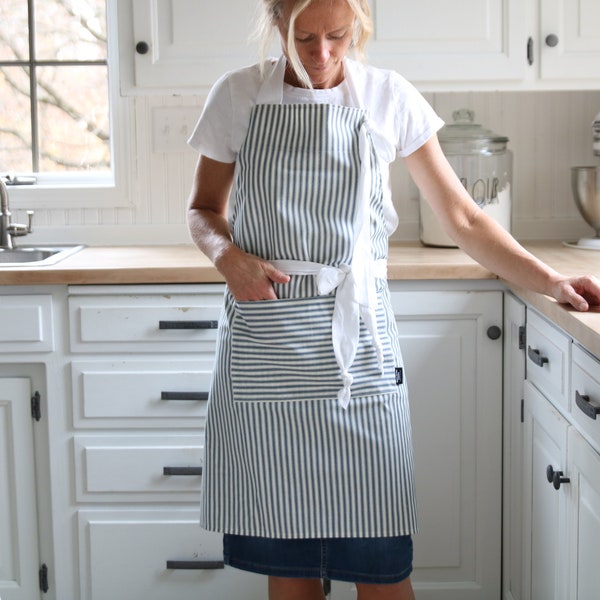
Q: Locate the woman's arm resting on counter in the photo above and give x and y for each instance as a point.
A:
(484, 239)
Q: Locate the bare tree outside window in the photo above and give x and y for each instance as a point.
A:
(54, 98)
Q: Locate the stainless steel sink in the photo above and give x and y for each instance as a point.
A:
(35, 256)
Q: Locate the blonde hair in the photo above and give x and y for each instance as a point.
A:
(272, 11)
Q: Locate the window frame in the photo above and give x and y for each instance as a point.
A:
(93, 190)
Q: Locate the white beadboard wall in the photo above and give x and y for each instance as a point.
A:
(549, 132)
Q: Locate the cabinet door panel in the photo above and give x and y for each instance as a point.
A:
(548, 359)
(18, 516)
(191, 43)
(576, 25)
(584, 525)
(138, 394)
(585, 394)
(454, 379)
(26, 324)
(132, 468)
(544, 520)
(438, 41)
(125, 555)
(512, 492)
(144, 323)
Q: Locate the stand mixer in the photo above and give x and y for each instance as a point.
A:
(585, 184)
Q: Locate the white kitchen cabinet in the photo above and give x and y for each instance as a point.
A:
(545, 460)
(26, 323)
(544, 506)
(452, 348)
(183, 46)
(584, 406)
(584, 472)
(440, 41)
(561, 499)
(454, 373)
(569, 38)
(512, 492)
(584, 519)
(548, 359)
(171, 46)
(561, 506)
(140, 368)
(19, 554)
(158, 554)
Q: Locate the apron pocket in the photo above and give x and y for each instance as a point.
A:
(282, 350)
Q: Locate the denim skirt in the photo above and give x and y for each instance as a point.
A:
(358, 560)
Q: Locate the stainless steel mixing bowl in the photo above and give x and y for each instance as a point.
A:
(585, 183)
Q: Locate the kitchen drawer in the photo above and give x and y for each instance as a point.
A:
(140, 393)
(585, 394)
(548, 359)
(138, 468)
(26, 323)
(144, 322)
(125, 554)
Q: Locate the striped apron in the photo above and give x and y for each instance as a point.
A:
(308, 431)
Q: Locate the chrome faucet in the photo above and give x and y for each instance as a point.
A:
(8, 229)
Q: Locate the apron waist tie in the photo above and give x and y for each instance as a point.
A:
(345, 326)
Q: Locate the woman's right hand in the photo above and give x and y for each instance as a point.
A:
(249, 277)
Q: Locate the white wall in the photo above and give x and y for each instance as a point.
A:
(549, 132)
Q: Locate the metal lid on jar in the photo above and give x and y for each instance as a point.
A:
(464, 136)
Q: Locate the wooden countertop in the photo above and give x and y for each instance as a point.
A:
(407, 261)
(186, 264)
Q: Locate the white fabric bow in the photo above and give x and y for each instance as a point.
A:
(345, 326)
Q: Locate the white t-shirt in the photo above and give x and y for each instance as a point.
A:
(401, 120)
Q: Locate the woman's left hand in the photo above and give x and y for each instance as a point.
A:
(580, 292)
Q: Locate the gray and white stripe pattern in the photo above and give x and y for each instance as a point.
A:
(283, 459)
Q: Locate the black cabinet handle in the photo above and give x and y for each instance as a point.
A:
(142, 47)
(556, 477)
(195, 564)
(188, 324)
(536, 357)
(530, 51)
(494, 332)
(182, 471)
(184, 396)
(551, 40)
(590, 409)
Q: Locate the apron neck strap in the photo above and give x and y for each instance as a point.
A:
(271, 90)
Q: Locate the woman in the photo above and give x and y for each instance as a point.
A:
(308, 468)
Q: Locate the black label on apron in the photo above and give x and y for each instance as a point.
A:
(399, 376)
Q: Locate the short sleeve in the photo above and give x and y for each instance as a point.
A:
(416, 121)
(212, 135)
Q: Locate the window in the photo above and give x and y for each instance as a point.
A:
(58, 97)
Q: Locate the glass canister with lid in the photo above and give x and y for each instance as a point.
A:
(483, 163)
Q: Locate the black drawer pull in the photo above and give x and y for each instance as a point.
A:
(178, 471)
(184, 396)
(556, 477)
(590, 409)
(195, 564)
(188, 324)
(536, 357)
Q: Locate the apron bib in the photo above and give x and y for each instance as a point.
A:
(308, 431)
